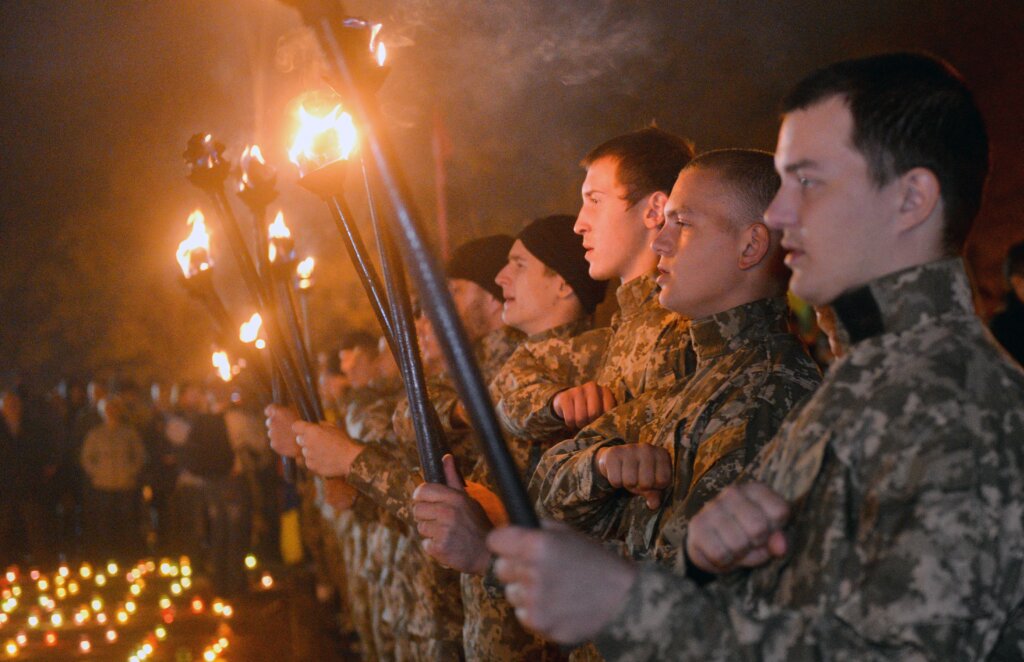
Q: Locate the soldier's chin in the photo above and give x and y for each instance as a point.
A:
(807, 288)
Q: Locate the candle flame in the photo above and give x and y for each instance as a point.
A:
(305, 268)
(250, 330)
(381, 54)
(324, 138)
(194, 253)
(223, 365)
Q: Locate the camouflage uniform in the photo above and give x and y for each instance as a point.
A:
(490, 629)
(904, 473)
(366, 532)
(646, 348)
(424, 607)
(750, 373)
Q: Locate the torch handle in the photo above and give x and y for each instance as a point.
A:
(427, 274)
(278, 348)
(364, 267)
(429, 438)
(286, 306)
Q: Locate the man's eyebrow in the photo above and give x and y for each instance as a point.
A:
(800, 165)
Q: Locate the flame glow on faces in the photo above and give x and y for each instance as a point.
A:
(249, 331)
(277, 230)
(194, 253)
(323, 139)
(304, 270)
(223, 365)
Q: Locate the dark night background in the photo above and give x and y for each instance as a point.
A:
(99, 98)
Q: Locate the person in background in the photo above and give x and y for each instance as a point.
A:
(112, 458)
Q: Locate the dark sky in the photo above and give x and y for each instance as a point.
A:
(100, 96)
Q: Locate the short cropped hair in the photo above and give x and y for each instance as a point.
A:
(749, 172)
(910, 110)
(648, 160)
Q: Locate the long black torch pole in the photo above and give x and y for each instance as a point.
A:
(278, 348)
(429, 438)
(277, 387)
(438, 304)
(364, 268)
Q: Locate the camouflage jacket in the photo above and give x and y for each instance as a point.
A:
(389, 476)
(905, 473)
(646, 348)
(750, 373)
(555, 354)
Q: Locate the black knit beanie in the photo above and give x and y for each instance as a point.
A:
(552, 241)
(480, 260)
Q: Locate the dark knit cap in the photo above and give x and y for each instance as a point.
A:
(480, 260)
(552, 241)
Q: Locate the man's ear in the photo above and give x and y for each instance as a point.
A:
(920, 198)
(654, 210)
(564, 291)
(755, 244)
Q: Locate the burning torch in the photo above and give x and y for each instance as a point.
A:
(322, 149)
(304, 281)
(208, 170)
(196, 264)
(345, 44)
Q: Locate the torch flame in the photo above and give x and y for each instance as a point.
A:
(379, 50)
(223, 365)
(199, 239)
(330, 137)
(278, 229)
(304, 270)
(249, 330)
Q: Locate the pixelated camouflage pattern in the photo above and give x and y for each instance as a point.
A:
(490, 630)
(906, 537)
(646, 348)
(422, 600)
(536, 371)
(750, 373)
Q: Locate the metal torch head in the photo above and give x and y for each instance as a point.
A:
(256, 179)
(207, 167)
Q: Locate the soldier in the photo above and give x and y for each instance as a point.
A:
(624, 194)
(883, 521)
(550, 297)
(423, 603)
(362, 534)
(722, 268)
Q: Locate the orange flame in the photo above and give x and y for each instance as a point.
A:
(277, 230)
(198, 240)
(249, 331)
(223, 365)
(322, 139)
(304, 270)
(249, 154)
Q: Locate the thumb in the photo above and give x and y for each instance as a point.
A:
(451, 473)
(653, 498)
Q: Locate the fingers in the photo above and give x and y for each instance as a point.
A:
(451, 473)
(740, 527)
(607, 398)
(581, 405)
(638, 468)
